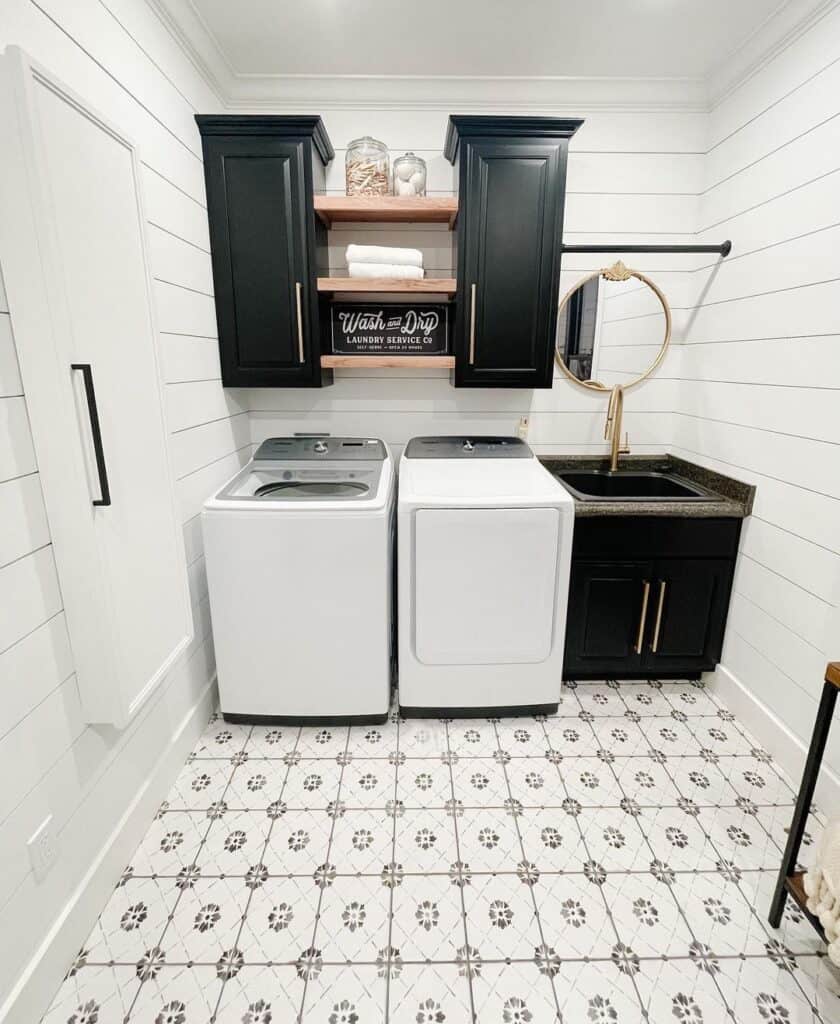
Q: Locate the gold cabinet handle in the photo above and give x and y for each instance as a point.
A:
(298, 289)
(643, 617)
(472, 325)
(658, 626)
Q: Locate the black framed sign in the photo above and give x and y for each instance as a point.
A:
(407, 329)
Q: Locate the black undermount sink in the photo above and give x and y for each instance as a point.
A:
(630, 485)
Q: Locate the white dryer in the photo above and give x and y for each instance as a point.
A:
(484, 543)
(299, 549)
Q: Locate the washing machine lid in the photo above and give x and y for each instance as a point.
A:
(468, 448)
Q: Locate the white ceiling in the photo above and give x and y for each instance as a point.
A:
(498, 38)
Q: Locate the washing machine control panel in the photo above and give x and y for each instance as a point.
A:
(302, 449)
(476, 447)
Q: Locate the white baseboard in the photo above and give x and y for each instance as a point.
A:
(787, 749)
(34, 990)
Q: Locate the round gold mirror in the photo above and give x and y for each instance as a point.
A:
(613, 329)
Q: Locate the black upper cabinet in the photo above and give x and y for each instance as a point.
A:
(267, 245)
(512, 180)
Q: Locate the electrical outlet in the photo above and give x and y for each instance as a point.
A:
(522, 429)
(43, 848)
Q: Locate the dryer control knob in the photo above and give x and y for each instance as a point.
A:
(469, 446)
(320, 446)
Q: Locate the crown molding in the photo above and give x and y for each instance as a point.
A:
(549, 95)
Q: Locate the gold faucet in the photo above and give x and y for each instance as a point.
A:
(612, 428)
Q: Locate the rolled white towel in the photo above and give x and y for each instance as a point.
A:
(384, 254)
(385, 270)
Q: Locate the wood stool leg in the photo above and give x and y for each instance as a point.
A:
(803, 802)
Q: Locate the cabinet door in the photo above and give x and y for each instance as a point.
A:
(687, 616)
(605, 618)
(74, 262)
(256, 189)
(509, 262)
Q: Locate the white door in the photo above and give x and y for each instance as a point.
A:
(72, 248)
(485, 585)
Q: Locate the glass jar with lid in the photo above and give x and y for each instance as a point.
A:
(410, 176)
(366, 168)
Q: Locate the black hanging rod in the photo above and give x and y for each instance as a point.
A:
(722, 250)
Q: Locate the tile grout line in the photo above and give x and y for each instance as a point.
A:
(462, 880)
(394, 818)
(322, 889)
(526, 861)
(259, 863)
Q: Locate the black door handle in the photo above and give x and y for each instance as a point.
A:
(90, 395)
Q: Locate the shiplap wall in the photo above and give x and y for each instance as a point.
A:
(760, 372)
(118, 57)
(631, 175)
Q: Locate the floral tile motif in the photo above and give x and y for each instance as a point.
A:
(516, 992)
(700, 780)
(551, 839)
(501, 917)
(173, 840)
(353, 920)
(368, 783)
(795, 931)
(601, 700)
(280, 922)
(272, 741)
(422, 737)
(646, 915)
(372, 741)
(648, 783)
(206, 921)
(256, 784)
(612, 837)
(200, 784)
(738, 836)
(222, 740)
(95, 993)
(719, 915)
(481, 782)
(570, 737)
(757, 781)
(236, 840)
(488, 839)
(590, 781)
(428, 994)
(361, 841)
(259, 994)
(598, 992)
(523, 737)
(819, 979)
(472, 737)
(133, 921)
(720, 736)
(312, 784)
(675, 837)
(573, 915)
(677, 990)
(427, 918)
(621, 736)
(535, 782)
(322, 741)
(425, 783)
(424, 841)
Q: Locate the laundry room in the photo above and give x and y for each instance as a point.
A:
(419, 564)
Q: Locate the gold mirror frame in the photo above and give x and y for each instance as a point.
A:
(618, 272)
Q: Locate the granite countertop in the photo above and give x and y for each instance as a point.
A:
(732, 498)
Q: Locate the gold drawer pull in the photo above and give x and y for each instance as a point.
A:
(659, 606)
(642, 617)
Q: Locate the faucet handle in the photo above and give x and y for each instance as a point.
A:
(625, 448)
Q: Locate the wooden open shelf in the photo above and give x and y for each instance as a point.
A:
(387, 209)
(392, 362)
(437, 285)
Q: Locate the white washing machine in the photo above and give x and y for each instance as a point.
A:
(484, 551)
(299, 548)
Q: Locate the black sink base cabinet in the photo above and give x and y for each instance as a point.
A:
(685, 567)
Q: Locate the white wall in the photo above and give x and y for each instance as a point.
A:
(760, 373)
(118, 56)
(631, 174)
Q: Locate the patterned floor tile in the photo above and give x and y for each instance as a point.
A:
(756, 781)
(488, 839)
(597, 992)
(428, 994)
(552, 840)
(819, 980)
(701, 781)
(648, 701)
(99, 994)
(222, 740)
(719, 915)
(272, 741)
(573, 916)
(601, 700)
(679, 990)
(206, 921)
(372, 741)
(762, 989)
(620, 736)
(472, 737)
(256, 784)
(312, 784)
(720, 736)
(425, 841)
(173, 840)
(422, 737)
(428, 918)
(258, 994)
(739, 837)
(133, 921)
(676, 838)
(280, 922)
(646, 915)
(612, 837)
(322, 742)
(481, 782)
(795, 931)
(345, 995)
(591, 782)
(361, 841)
(524, 737)
(667, 734)
(534, 782)
(572, 738)
(426, 783)
(646, 782)
(199, 784)
(501, 920)
(235, 841)
(353, 920)
(368, 783)
(514, 992)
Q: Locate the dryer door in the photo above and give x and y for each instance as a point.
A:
(485, 585)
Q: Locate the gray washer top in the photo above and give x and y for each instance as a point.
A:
(467, 448)
(321, 449)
